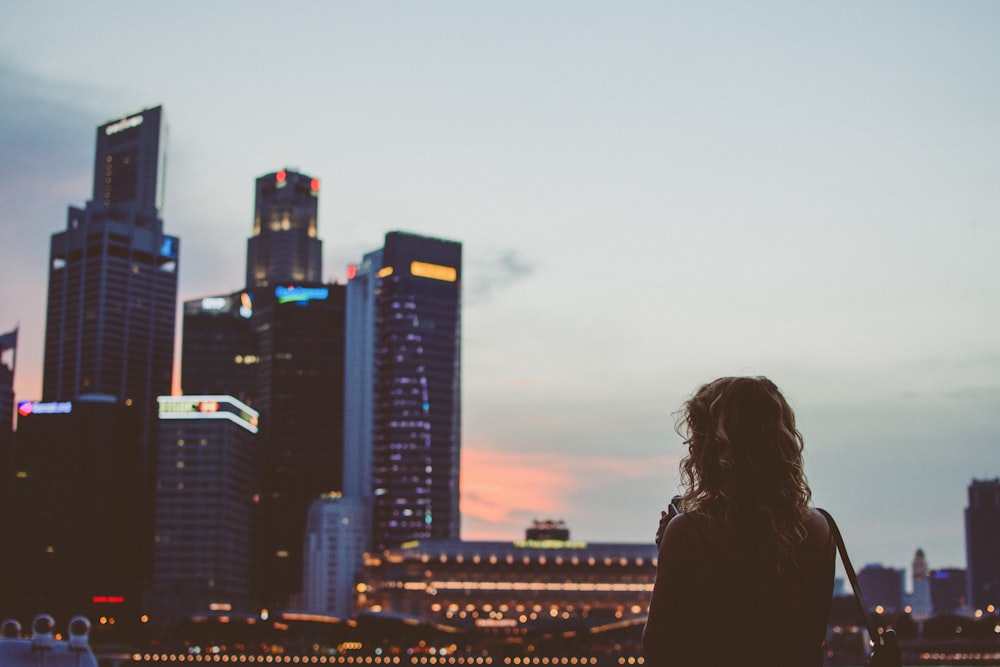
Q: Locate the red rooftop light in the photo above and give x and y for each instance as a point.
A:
(314, 184)
(280, 176)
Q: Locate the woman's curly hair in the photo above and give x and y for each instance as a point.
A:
(744, 465)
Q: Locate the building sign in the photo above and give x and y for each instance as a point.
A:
(300, 294)
(123, 124)
(434, 271)
(25, 408)
(209, 407)
(108, 599)
(212, 303)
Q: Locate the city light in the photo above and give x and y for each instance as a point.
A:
(434, 271)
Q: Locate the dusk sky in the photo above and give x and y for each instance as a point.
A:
(649, 195)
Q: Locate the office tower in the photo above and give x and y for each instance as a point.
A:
(882, 587)
(300, 331)
(335, 542)
(219, 350)
(982, 543)
(113, 277)
(948, 591)
(82, 538)
(359, 377)
(206, 498)
(284, 248)
(410, 346)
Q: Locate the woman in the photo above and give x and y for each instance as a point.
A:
(745, 572)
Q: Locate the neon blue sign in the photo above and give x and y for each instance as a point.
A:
(300, 294)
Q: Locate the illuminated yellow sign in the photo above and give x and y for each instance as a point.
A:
(385, 272)
(434, 271)
(549, 544)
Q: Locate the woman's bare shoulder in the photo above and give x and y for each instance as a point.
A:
(687, 533)
(817, 526)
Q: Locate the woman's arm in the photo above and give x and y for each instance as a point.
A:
(662, 637)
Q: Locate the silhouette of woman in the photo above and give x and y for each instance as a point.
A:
(745, 571)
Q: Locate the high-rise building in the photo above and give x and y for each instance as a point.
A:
(982, 543)
(279, 346)
(948, 591)
(206, 500)
(335, 543)
(82, 539)
(219, 350)
(300, 332)
(8, 359)
(406, 338)
(8, 510)
(113, 277)
(284, 248)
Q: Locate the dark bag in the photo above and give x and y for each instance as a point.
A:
(886, 650)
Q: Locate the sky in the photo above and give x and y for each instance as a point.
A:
(650, 195)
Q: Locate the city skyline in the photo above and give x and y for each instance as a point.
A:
(648, 197)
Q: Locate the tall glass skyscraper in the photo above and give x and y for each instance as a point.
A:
(403, 429)
(284, 248)
(113, 276)
(982, 543)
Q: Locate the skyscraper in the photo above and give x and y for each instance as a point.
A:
(207, 483)
(982, 543)
(405, 333)
(219, 351)
(113, 277)
(284, 248)
(8, 359)
(279, 345)
(300, 331)
(8, 511)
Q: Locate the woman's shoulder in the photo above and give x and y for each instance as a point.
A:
(817, 529)
(691, 531)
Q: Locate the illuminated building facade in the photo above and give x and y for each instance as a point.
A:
(513, 589)
(982, 543)
(278, 345)
(300, 333)
(408, 342)
(82, 523)
(219, 349)
(284, 248)
(206, 500)
(113, 277)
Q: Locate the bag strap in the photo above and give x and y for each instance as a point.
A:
(846, 560)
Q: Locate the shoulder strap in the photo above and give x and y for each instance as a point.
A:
(849, 569)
